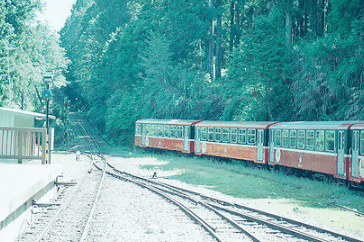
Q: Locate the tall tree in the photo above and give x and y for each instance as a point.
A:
(30, 51)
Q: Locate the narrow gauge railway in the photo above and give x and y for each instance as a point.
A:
(347, 209)
(75, 220)
(69, 217)
(225, 221)
(334, 149)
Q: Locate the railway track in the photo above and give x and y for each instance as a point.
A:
(233, 222)
(87, 212)
(69, 215)
(347, 209)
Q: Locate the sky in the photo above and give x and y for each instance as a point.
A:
(56, 12)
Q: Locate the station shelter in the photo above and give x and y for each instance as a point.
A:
(18, 137)
(20, 118)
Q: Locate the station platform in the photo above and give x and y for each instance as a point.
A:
(20, 184)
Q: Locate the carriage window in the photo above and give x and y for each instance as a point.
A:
(362, 143)
(319, 140)
(277, 138)
(211, 134)
(204, 133)
(310, 140)
(233, 135)
(160, 130)
(218, 134)
(242, 136)
(225, 135)
(251, 136)
(155, 130)
(146, 129)
(166, 130)
(284, 138)
(330, 141)
(292, 138)
(138, 129)
(301, 139)
(173, 131)
(179, 131)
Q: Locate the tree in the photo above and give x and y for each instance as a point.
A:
(258, 72)
(30, 51)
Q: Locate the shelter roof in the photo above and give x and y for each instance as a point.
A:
(39, 116)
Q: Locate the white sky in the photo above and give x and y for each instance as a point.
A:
(56, 12)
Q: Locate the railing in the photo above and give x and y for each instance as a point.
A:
(24, 143)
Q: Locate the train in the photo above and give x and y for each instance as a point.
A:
(334, 149)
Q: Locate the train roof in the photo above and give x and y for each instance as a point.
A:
(359, 125)
(314, 125)
(167, 121)
(236, 124)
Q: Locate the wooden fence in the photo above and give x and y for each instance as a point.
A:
(24, 143)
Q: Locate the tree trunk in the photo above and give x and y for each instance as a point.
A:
(211, 44)
(250, 18)
(320, 28)
(288, 23)
(218, 43)
(232, 26)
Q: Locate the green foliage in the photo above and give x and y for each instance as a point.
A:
(259, 73)
(28, 51)
(280, 60)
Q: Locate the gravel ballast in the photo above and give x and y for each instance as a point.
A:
(126, 212)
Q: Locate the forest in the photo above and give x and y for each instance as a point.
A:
(28, 50)
(118, 61)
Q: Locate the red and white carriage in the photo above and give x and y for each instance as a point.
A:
(169, 134)
(356, 152)
(321, 147)
(237, 140)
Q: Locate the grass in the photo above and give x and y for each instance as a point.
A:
(238, 179)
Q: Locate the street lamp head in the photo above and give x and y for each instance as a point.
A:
(47, 78)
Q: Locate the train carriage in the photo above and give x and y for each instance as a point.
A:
(169, 134)
(321, 147)
(237, 140)
(356, 152)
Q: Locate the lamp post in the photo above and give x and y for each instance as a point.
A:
(7, 48)
(7, 43)
(47, 95)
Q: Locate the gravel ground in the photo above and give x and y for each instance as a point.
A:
(138, 215)
(332, 219)
(133, 213)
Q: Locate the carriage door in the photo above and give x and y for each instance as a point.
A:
(355, 155)
(197, 137)
(341, 153)
(186, 138)
(271, 147)
(142, 129)
(260, 141)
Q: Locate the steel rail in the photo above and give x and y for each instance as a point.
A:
(208, 206)
(271, 225)
(71, 196)
(60, 210)
(322, 230)
(85, 230)
(189, 212)
(347, 209)
(333, 233)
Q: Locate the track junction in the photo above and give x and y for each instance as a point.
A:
(85, 212)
